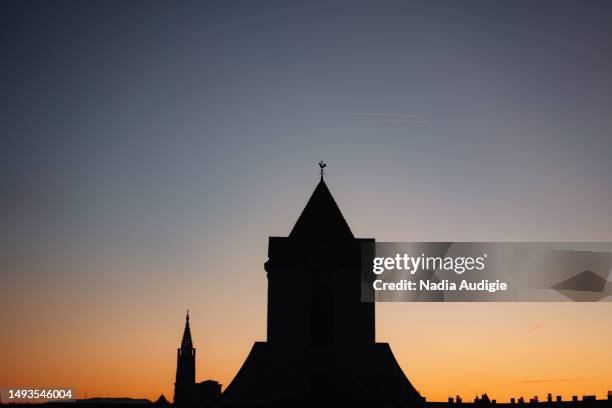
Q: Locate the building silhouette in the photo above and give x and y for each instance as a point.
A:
(320, 336)
(185, 367)
(587, 401)
(320, 347)
(188, 393)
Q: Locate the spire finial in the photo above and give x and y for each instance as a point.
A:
(322, 165)
(187, 315)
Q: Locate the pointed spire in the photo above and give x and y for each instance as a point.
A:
(321, 219)
(186, 343)
(162, 401)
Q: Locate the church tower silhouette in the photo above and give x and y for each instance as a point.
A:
(320, 336)
(185, 368)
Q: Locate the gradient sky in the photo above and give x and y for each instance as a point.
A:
(148, 149)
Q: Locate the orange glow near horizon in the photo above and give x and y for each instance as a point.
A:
(506, 350)
(114, 330)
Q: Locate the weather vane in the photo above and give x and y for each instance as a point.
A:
(322, 165)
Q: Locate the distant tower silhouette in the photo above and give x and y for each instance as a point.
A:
(185, 368)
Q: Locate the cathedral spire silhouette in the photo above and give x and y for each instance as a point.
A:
(185, 368)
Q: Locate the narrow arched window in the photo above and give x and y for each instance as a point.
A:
(321, 317)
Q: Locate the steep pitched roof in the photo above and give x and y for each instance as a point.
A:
(321, 219)
(162, 400)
